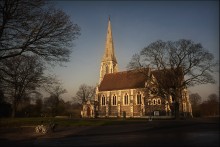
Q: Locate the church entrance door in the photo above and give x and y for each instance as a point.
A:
(88, 111)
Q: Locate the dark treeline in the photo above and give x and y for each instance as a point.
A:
(41, 107)
(37, 106)
(206, 108)
(34, 36)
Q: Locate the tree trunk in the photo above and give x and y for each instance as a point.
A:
(177, 116)
(13, 109)
(178, 101)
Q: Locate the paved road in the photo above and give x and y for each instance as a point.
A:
(155, 133)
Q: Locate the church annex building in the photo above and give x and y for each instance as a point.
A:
(124, 94)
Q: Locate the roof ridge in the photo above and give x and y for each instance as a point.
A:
(127, 71)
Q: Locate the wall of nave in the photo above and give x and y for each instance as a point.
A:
(133, 102)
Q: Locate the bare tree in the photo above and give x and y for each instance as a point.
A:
(34, 27)
(195, 100)
(213, 102)
(38, 106)
(20, 76)
(56, 91)
(5, 107)
(179, 64)
(213, 98)
(210, 107)
(84, 93)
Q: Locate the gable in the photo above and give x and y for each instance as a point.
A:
(169, 78)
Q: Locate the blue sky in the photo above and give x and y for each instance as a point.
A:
(135, 24)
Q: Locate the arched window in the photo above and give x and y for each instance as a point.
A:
(154, 101)
(103, 102)
(126, 99)
(159, 101)
(114, 100)
(138, 98)
(149, 102)
(172, 99)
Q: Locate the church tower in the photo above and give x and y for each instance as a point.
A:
(109, 63)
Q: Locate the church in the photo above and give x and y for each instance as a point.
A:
(126, 94)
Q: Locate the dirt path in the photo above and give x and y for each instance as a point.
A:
(28, 132)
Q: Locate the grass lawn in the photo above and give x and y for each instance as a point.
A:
(32, 121)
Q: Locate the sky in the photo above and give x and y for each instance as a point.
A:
(135, 24)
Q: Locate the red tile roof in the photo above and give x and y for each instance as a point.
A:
(137, 78)
(123, 80)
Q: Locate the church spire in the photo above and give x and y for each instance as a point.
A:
(109, 54)
(109, 62)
